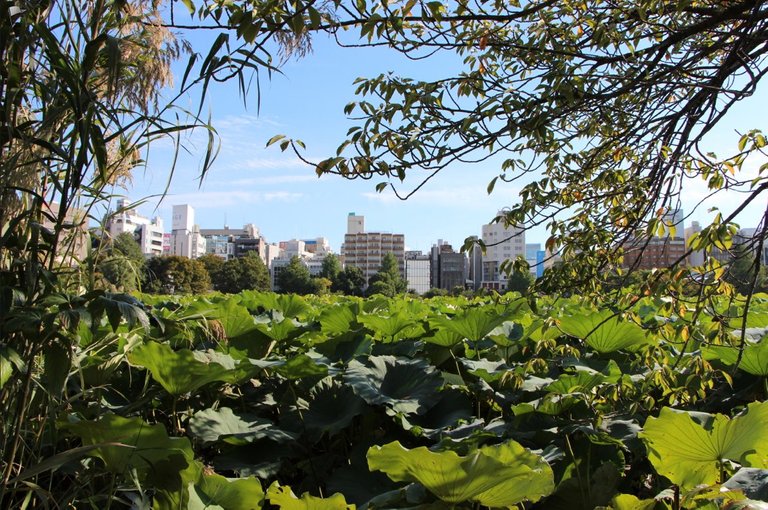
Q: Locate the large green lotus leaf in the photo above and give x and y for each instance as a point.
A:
(346, 347)
(397, 326)
(167, 462)
(488, 371)
(603, 331)
(280, 330)
(225, 425)
(494, 476)
(404, 385)
(298, 367)
(630, 502)
(283, 497)
(754, 359)
(689, 453)
(215, 492)
(289, 305)
(451, 407)
(184, 371)
(474, 324)
(338, 320)
(444, 338)
(237, 322)
(583, 381)
(331, 407)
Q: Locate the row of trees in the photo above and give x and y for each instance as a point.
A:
(121, 265)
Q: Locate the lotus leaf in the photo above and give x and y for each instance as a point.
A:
(754, 358)
(630, 502)
(167, 461)
(474, 324)
(690, 453)
(603, 331)
(405, 385)
(331, 408)
(215, 492)
(224, 425)
(184, 371)
(397, 326)
(283, 497)
(338, 320)
(494, 476)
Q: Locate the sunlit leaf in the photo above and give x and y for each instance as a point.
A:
(691, 453)
(283, 497)
(603, 331)
(494, 476)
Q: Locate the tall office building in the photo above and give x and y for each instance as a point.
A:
(186, 239)
(503, 242)
(365, 250)
(417, 271)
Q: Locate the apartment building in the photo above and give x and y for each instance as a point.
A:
(148, 232)
(365, 250)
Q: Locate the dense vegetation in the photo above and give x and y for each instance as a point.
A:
(235, 401)
(632, 397)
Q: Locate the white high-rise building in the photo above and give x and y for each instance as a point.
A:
(147, 232)
(503, 242)
(365, 250)
(186, 239)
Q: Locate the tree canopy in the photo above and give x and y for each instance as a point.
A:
(241, 273)
(174, 274)
(388, 280)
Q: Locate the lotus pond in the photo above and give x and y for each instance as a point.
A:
(264, 400)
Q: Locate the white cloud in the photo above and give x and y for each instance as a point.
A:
(223, 199)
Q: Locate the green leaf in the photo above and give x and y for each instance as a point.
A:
(215, 491)
(630, 502)
(331, 408)
(405, 385)
(184, 371)
(474, 324)
(275, 139)
(283, 497)
(691, 454)
(397, 326)
(494, 476)
(166, 462)
(754, 359)
(9, 361)
(212, 425)
(603, 332)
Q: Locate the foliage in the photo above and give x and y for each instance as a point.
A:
(176, 274)
(387, 281)
(242, 273)
(393, 402)
(122, 262)
(295, 278)
(350, 281)
(745, 273)
(213, 264)
(331, 267)
(520, 281)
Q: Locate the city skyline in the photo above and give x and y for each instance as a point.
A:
(250, 183)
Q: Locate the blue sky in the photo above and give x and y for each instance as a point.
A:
(284, 198)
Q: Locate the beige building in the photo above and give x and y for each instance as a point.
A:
(365, 250)
(147, 232)
(502, 242)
